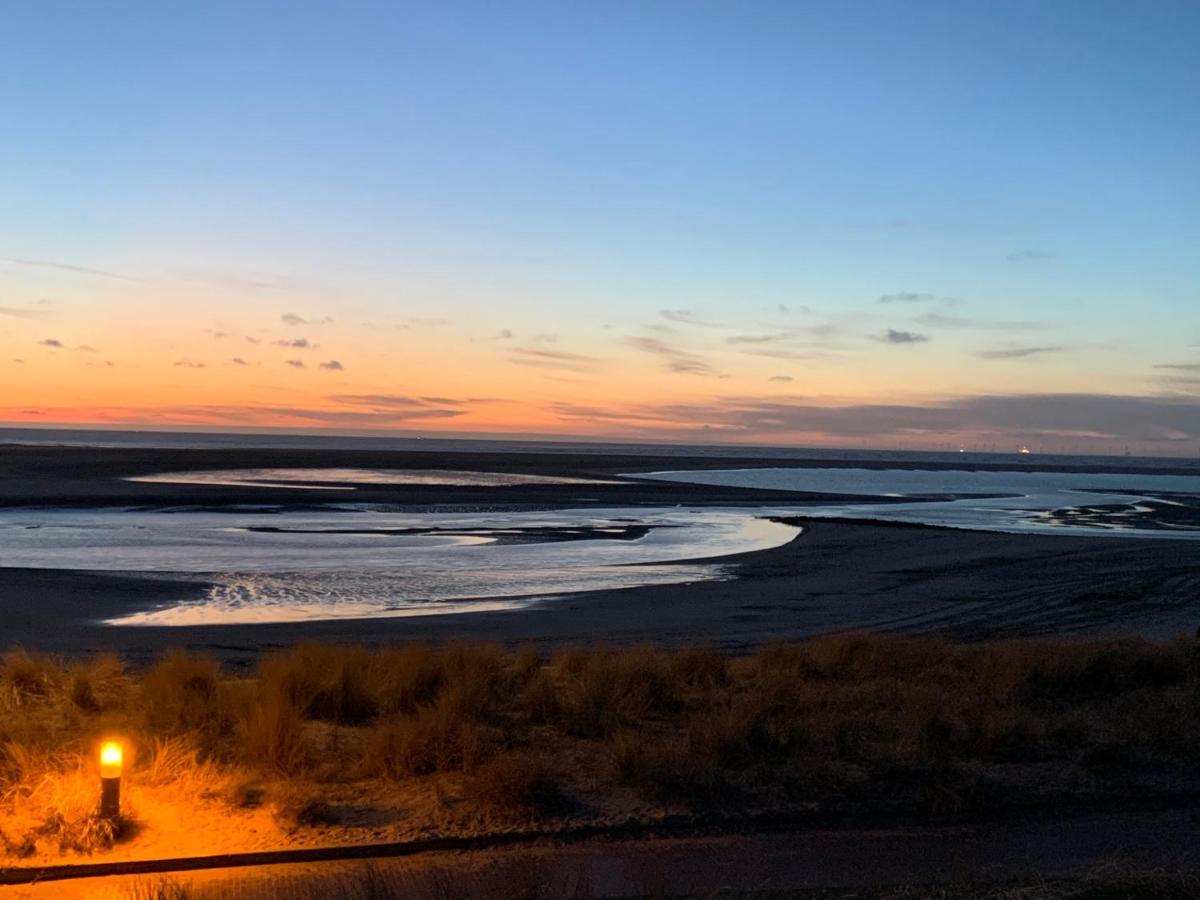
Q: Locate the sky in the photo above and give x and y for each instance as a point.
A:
(851, 223)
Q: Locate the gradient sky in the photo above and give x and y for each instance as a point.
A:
(844, 223)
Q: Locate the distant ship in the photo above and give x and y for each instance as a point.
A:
(1023, 449)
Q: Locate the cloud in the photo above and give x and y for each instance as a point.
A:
(188, 364)
(1180, 367)
(253, 340)
(332, 366)
(1019, 416)
(295, 320)
(238, 361)
(545, 338)
(810, 336)
(1018, 352)
(17, 312)
(759, 338)
(781, 379)
(552, 359)
(401, 406)
(262, 415)
(892, 336)
(907, 297)
(294, 363)
(674, 359)
(52, 342)
(941, 320)
(1029, 256)
(85, 348)
(66, 267)
(794, 355)
(504, 334)
(295, 343)
(686, 317)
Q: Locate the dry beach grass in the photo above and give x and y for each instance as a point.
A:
(345, 743)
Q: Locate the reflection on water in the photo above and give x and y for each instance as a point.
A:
(345, 479)
(322, 564)
(1120, 504)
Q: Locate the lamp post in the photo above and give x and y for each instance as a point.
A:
(111, 757)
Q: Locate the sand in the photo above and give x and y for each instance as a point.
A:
(835, 576)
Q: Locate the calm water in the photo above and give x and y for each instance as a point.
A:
(269, 565)
(1026, 502)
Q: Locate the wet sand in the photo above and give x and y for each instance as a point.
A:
(835, 576)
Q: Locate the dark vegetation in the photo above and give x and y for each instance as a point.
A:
(841, 726)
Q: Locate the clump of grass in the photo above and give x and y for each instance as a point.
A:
(324, 681)
(182, 693)
(100, 685)
(602, 690)
(269, 731)
(24, 677)
(518, 781)
(434, 739)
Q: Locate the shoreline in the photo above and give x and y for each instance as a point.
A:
(834, 576)
(838, 575)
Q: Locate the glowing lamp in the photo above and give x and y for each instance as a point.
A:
(111, 757)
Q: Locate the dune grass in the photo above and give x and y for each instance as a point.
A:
(847, 724)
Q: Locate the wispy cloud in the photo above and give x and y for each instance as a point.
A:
(781, 379)
(793, 355)
(892, 336)
(1180, 367)
(19, 312)
(332, 366)
(188, 364)
(1019, 352)
(53, 343)
(941, 320)
(808, 336)
(294, 363)
(294, 320)
(907, 297)
(85, 348)
(66, 267)
(238, 361)
(674, 359)
(687, 317)
(295, 343)
(552, 359)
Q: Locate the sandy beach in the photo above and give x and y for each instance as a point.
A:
(836, 575)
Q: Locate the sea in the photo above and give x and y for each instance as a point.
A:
(263, 562)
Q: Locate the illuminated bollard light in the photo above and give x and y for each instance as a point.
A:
(111, 757)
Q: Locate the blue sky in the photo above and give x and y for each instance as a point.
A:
(1024, 175)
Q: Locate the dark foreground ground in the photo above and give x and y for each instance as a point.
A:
(836, 576)
(1094, 857)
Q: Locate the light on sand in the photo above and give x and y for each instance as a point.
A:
(111, 757)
